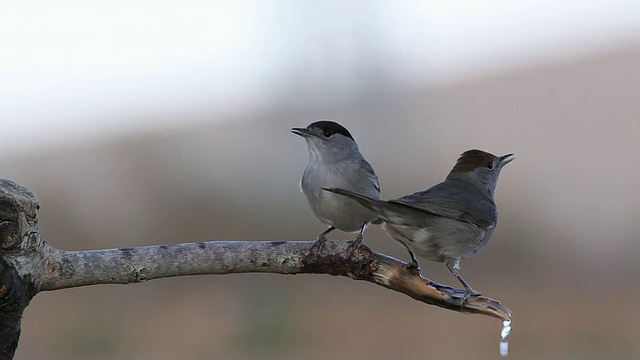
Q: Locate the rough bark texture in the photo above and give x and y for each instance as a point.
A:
(29, 265)
(18, 233)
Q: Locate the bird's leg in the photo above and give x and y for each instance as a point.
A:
(413, 265)
(453, 265)
(355, 244)
(319, 243)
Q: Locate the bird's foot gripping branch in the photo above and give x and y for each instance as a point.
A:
(29, 265)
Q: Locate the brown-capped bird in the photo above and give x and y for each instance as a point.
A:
(451, 220)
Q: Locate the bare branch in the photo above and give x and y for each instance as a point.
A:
(29, 265)
(67, 269)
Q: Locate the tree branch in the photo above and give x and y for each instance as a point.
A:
(29, 265)
(67, 269)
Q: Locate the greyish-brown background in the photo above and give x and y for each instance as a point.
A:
(564, 258)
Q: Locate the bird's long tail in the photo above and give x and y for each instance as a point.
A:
(369, 203)
(388, 212)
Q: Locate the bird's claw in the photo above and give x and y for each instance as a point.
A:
(354, 245)
(469, 292)
(317, 246)
(413, 267)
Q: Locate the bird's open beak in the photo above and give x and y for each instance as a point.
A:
(304, 132)
(505, 159)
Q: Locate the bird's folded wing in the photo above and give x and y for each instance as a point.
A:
(455, 202)
(368, 170)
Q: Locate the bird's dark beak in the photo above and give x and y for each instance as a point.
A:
(505, 159)
(304, 132)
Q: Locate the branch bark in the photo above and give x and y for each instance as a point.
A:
(29, 265)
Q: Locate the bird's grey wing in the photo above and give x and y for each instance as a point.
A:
(455, 200)
(370, 186)
(368, 169)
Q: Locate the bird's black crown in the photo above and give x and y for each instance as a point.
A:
(331, 127)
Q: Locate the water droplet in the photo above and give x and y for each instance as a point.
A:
(504, 333)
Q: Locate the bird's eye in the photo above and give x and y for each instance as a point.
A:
(490, 165)
(327, 133)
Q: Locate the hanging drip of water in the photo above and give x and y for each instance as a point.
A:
(504, 333)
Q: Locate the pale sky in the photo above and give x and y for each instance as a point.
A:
(77, 71)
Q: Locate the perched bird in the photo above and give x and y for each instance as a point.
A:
(336, 161)
(451, 220)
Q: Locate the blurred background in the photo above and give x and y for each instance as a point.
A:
(145, 122)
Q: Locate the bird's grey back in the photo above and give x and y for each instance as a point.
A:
(457, 200)
(352, 173)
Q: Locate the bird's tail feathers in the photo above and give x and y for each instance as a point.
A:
(390, 212)
(365, 201)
